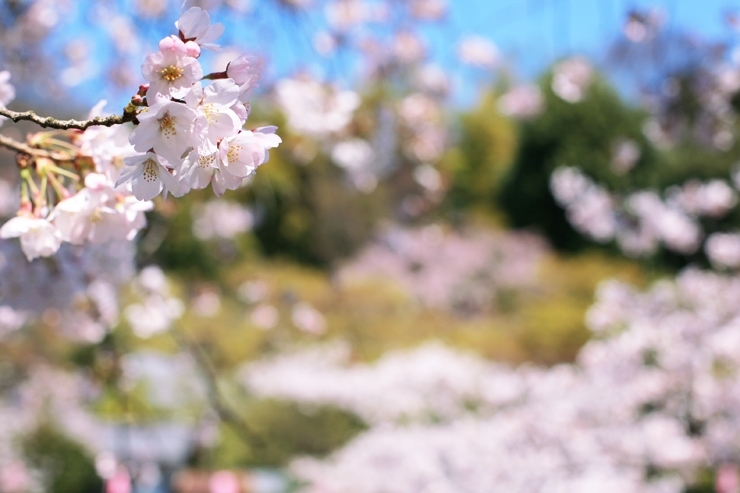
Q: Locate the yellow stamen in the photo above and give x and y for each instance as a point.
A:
(171, 73)
(233, 154)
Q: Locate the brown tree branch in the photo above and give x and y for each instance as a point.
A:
(14, 145)
(49, 122)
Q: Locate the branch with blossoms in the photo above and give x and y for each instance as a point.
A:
(92, 180)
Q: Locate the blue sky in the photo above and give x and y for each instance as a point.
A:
(531, 34)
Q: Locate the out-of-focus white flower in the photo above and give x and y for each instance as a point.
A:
(221, 219)
(313, 108)
(643, 26)
(91, 214)
(325, 43)
(151, 8)
(460, 272)
(714, 198)
(15, 477)
(106, 464)
(157, 310)
(723, 249)
(224, 482)
(625, 155)
(521, 102)
(7, 91)
(353, 155)
(728, 479)
(432, 79)
(589, 208)
(344, 14)
(207, 303)
(478, 52)
(253, 291)
(571, 79)
(677, 231)
(308, 319)
(408, 47)
(11, 320)
(265, 316)
(195, 25)
(428, 177)
(39, 237)
(428, 10)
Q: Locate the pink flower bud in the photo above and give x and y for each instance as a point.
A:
(192, 49)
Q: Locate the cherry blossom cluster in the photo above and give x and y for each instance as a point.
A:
(651, 401)
(643, 220)
(457, 271)
(187, 136)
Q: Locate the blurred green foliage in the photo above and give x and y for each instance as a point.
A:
(64, 464)
(283, 431)
(581, 134)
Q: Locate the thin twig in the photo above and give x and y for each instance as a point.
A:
(14, 145)
(49, 122)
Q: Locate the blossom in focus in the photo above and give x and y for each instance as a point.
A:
(244, 152)
(148, 176)
(245, 70)
(172, 70)
(195, 25)
(215, 118)
(167, 127)
(39, 237)
(237, 157)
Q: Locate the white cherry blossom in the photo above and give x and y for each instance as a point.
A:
(39, 237)
(195, 25)
(172, 70)
(167, 127)
(7, 91)
(243, 153)
(87, 215)
(246, 71)
(148, 176)
(216, 120)
(200, 170)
